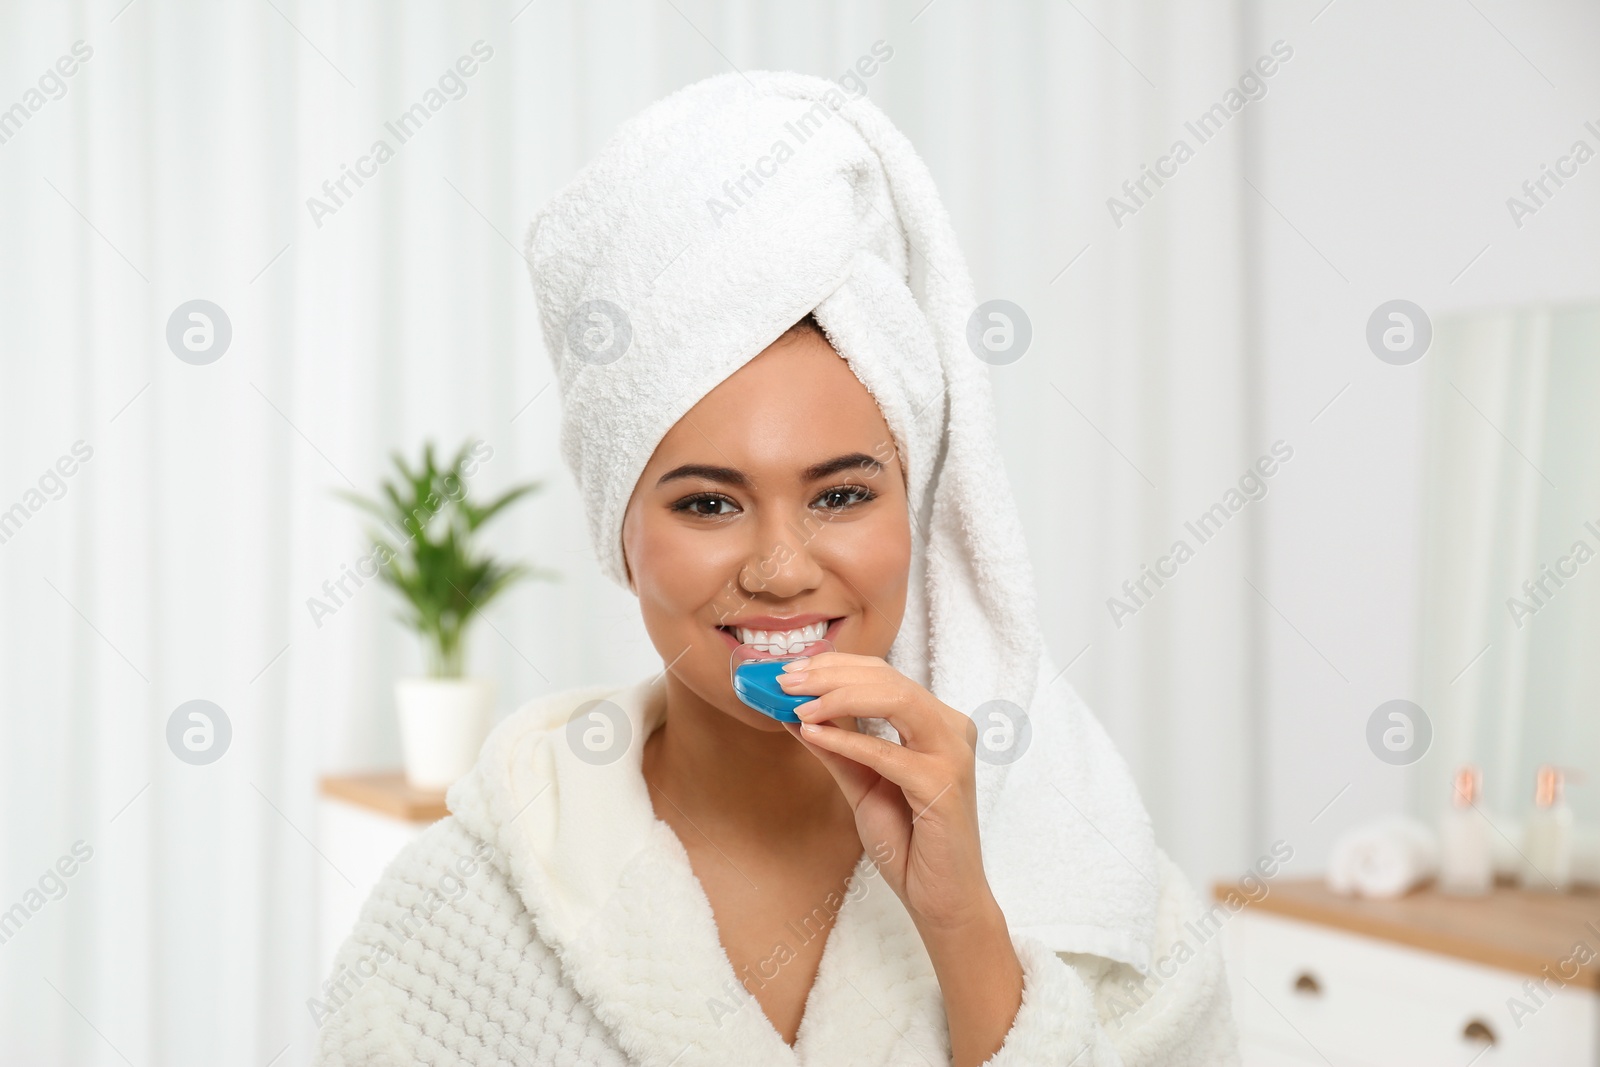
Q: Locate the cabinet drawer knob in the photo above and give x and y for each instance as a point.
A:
(1306, 984)
(1478, 1030)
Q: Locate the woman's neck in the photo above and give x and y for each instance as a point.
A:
(731, 779)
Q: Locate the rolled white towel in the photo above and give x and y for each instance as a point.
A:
(1385, 858)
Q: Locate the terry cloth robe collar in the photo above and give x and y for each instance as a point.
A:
(558, 790)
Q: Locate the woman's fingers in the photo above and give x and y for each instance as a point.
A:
(936, 741)
(914, 714)
(818, 679)
(904, 768)
(876, 689)
(840, 659)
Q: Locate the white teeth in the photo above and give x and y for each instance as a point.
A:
(781, 642)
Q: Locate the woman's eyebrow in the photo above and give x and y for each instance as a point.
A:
(726, 475)
(833, 466)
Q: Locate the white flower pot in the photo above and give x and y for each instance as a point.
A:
(443, 722)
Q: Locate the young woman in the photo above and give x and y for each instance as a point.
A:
(946, 861)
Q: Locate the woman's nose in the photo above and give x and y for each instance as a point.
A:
(782, 562)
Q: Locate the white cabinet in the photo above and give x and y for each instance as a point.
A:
(1309, 993)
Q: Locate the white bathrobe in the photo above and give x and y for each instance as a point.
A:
(553, 919)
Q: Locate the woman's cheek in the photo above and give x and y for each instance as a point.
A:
(878, 553)
(693, 568)
(875, 558)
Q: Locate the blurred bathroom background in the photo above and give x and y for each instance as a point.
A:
(166, 523)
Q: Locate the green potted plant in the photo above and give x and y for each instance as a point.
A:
(426, 554)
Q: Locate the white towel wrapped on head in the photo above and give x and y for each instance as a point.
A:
(1385, 858)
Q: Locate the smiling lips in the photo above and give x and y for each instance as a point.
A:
(774, 640)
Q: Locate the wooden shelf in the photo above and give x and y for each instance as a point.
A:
(1518, 930)
(387, 793)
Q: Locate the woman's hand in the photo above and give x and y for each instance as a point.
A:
(919, 797)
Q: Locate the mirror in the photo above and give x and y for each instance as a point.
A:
(1510, 574)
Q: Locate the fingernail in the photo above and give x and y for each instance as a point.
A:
(797, 664)
(797, 677)
(810, 727)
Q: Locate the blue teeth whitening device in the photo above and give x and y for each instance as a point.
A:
(755, 676)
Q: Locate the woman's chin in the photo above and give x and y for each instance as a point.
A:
(719, 694)
(757, 721)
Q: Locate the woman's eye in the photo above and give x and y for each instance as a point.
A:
(707, 504)
(844, 496)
